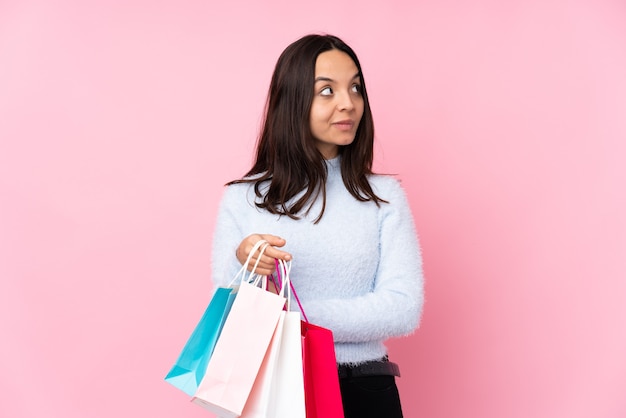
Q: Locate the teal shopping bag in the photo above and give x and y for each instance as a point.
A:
(189, 369)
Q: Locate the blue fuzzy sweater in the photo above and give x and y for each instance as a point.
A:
(357, 272)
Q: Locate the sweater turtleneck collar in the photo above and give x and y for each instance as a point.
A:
(334, 164)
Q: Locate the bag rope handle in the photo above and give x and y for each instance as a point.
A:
(278, 282)
(242, 270)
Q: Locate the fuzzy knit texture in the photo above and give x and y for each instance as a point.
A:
(357, 272)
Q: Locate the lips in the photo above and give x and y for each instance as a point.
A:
(344, 125)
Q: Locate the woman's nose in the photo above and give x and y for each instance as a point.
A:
(345, 102)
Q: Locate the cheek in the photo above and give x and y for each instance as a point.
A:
(315, 122)
(313, 117)
(319, 115)
(361, 110)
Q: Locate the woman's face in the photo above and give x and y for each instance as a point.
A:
(337, 105)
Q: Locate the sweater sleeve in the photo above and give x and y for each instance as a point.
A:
(226, 238)
(394, 305)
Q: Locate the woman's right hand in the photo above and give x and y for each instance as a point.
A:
(267, 264)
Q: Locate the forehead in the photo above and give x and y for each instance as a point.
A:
(335, 62)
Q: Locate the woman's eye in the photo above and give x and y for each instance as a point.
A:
(356, 88)
(326, 91)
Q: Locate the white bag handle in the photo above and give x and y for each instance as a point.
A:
(252, 274)
(285, 268)
(242, 271)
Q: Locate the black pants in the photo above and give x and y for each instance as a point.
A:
(370, 397)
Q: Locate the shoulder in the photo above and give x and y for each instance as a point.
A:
(387, 187)
(237, 194)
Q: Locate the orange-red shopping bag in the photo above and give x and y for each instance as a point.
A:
(321, 378)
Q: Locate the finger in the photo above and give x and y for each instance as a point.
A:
(269, 253)
(273, 240)
(274, 253)
(263, 269)
(249, 254)
(260, 260)
(263, 272)
(264, 263)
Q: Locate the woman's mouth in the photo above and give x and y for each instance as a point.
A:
(344, 125)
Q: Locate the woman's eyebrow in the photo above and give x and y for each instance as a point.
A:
(330, 80)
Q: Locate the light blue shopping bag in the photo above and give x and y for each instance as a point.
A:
(189, 369)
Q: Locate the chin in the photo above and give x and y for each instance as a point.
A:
(347, 140)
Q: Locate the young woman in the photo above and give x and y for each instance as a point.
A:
(312, 195)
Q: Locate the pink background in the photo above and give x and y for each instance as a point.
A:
(506, 121)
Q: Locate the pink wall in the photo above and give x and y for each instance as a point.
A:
(506, 121)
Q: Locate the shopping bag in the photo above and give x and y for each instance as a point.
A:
(287, 398)
(258, 403)
(189, 368)
(321, 379)
(278, 391)
(320, 375)
(240, 350)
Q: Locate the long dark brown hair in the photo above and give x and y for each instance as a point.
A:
(287, 159)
